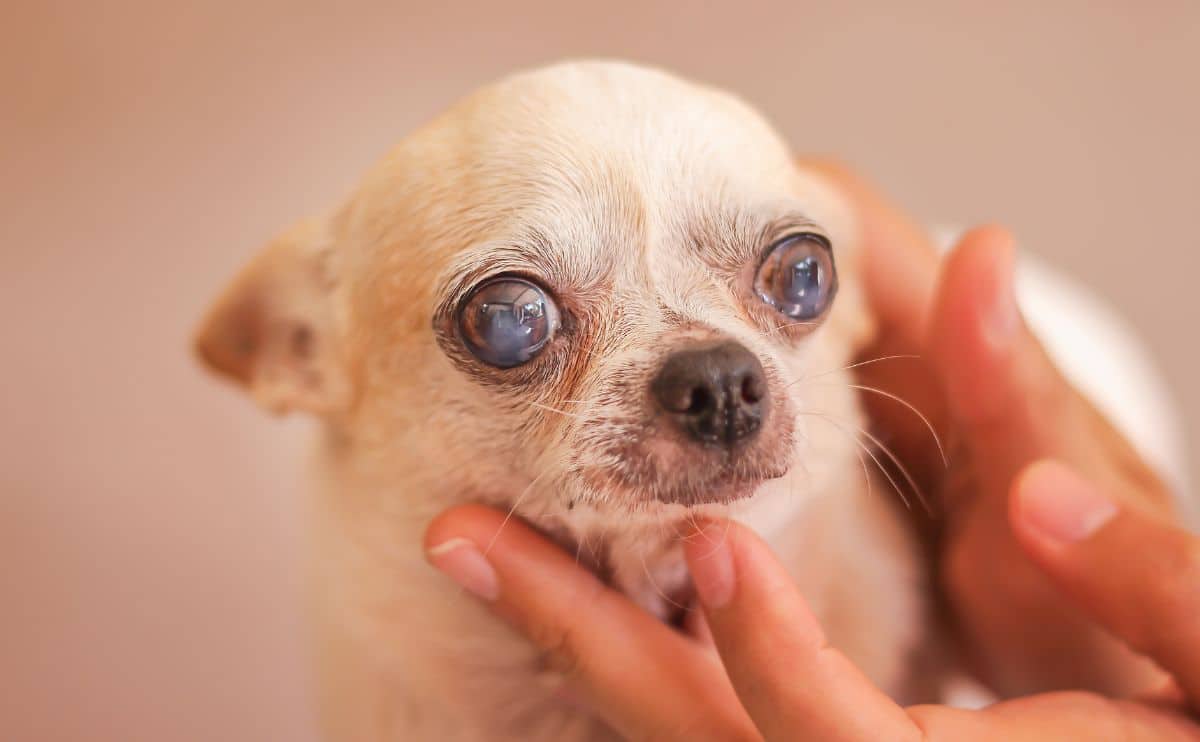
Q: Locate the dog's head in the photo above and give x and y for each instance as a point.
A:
(593, 284)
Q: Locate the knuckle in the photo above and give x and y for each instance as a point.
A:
(558, 649)
(1190, 563)
(699, 728)
(1165, 618)
(1178, 583)
(559, 638)
(1178, 599)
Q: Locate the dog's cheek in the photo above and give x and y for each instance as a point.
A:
(851, 319)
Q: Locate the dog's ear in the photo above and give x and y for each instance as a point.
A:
(273, 329)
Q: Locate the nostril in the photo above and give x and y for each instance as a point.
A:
(700, 401)
(753, 389)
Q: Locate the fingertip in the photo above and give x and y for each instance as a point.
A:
(1026, 480)
(710, 561)
(1052, 505)
(976, 322)
(738, 578)
(454, 546)
(990, 236)
(475, 523)
(978, 278)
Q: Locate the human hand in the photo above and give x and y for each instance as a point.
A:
(774, 677)
(999, 404)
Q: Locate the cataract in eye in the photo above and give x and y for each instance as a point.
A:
(507, 322)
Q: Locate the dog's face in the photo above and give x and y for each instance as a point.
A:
(594, 287)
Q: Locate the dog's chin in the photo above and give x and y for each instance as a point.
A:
(726, 488)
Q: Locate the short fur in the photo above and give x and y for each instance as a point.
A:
(644, 203)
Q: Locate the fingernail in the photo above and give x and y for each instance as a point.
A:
(462, 562)
(1002, 317)
(1061, 506)
(711, 563)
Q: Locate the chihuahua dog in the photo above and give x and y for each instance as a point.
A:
(608, 301)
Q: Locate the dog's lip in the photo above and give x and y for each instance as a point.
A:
(726, 487)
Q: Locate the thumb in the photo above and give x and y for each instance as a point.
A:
(1011, 403)
(1011, 406)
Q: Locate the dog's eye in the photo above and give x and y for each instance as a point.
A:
(507, 321)
(797, 277)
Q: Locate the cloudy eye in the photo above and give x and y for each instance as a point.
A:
(797, 277)
(507, 321)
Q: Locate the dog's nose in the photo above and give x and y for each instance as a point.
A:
(716, 392)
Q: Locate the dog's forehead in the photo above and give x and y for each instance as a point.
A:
(617, 126)
(606, 160)
(582, 174)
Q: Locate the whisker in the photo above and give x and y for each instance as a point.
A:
(548, 408)
(867, 450)
(579, 546)
(912, 408)
(866, 472)
(654, 584)
(508, 516)
(780, 328)
(725, 531)
(903, 356)
(912, 482)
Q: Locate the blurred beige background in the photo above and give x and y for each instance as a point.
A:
(150, 518)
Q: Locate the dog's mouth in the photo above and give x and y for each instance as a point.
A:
(692, 491)
(655, 474)
(729, 484)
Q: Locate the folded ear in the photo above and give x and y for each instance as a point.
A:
(273, 329)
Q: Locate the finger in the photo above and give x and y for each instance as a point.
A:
(1012, 407)
(1004, 391)
(793, 684)
(1137, 576)
(976, 323)
(644, 679)
(1051, 717)
(899, 263)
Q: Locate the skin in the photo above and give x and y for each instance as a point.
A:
(999, 404)
(781, 680)
(1035, 609)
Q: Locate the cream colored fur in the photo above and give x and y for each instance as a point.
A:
(629, 192)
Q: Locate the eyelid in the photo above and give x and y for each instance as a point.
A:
(808, 232)
(459, 290)
(470, 288)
